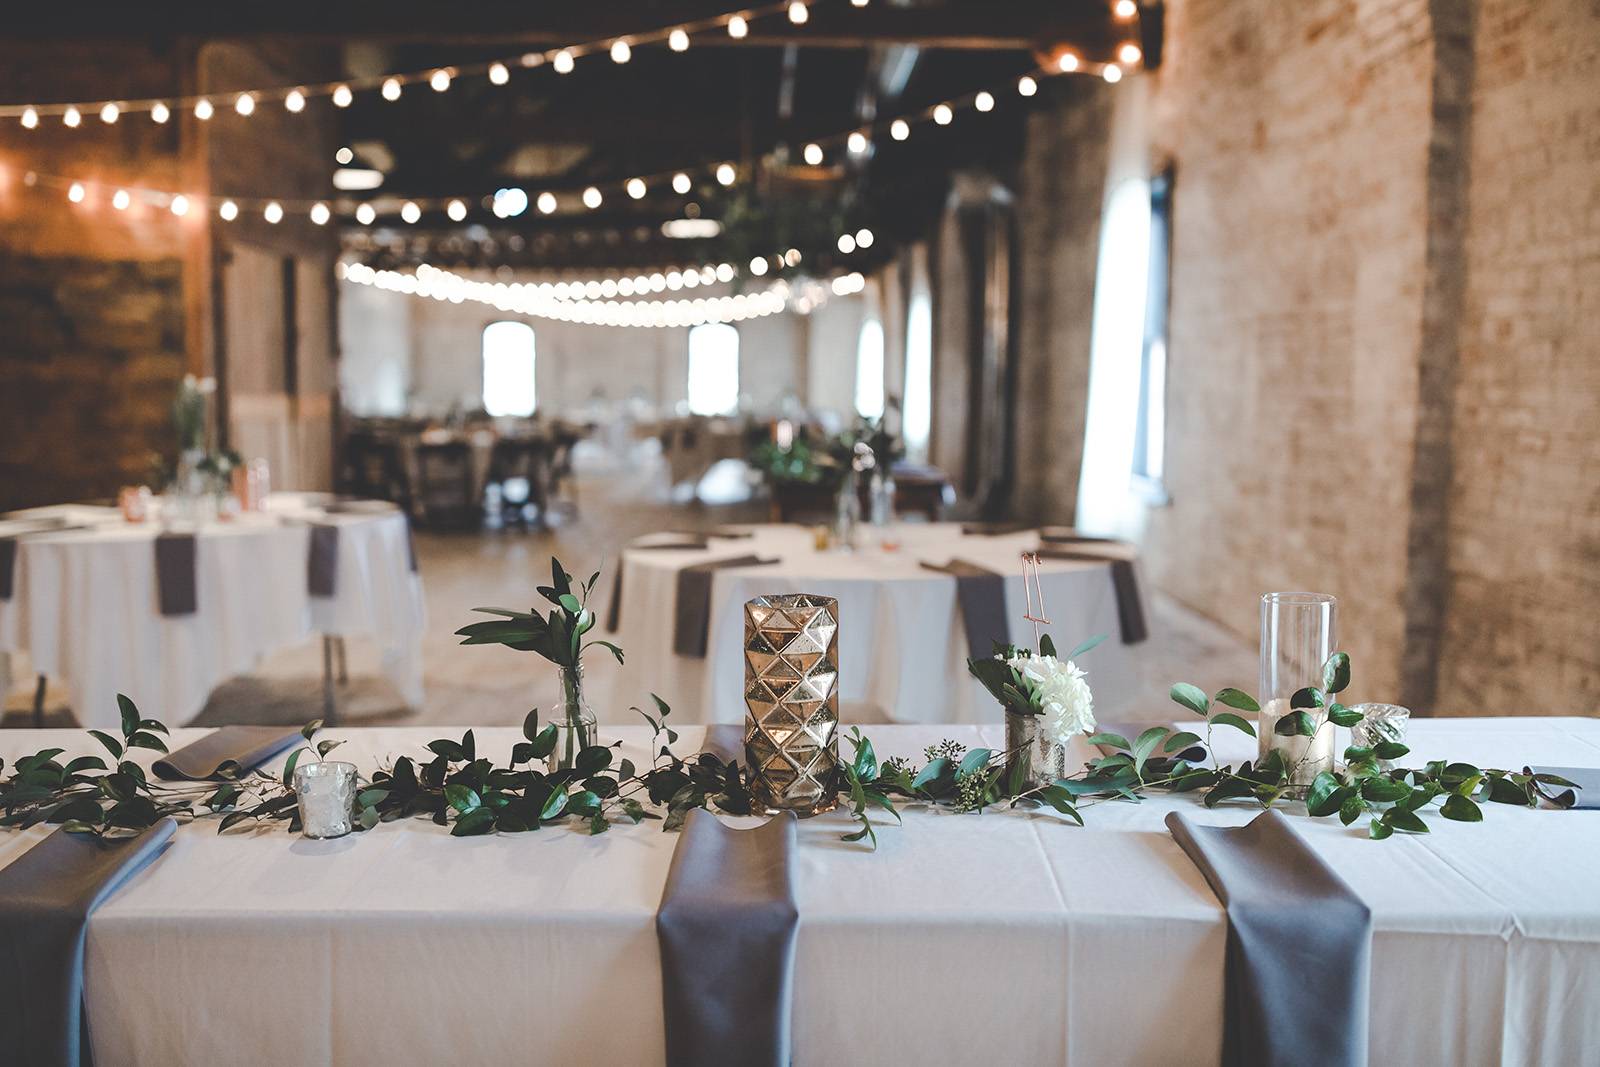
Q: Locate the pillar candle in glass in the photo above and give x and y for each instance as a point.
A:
(1297, 637)
(325, 791)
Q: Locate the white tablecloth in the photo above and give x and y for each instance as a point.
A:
(1006, 938)
(84, 607)
(896, 620)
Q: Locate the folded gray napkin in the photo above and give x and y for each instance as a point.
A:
(1066, 535)
(1587, 779)
(175, 573)
(1125, 584)
(246, 746)
(8, 567)
(726, 928)
(1299, 957)
(691, 627)
(981, 593)
(322, 560)
(993, 529)
(46, 897)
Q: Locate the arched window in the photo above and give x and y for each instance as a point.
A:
(917, 412)
(713, 369)
(869, 370)
(508, 383)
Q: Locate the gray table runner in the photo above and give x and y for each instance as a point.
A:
(981, 593)
(1299, 958)
(46, 897)
(1124, 583)
(175, 573)
(246, 746)
(691, 628)
(322, 560)
(1587, 779)
(726, 928)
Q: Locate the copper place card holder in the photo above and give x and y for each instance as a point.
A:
(791, 688)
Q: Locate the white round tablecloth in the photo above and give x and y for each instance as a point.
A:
(84, 605)
(902, 643)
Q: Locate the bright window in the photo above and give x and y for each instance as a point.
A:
(917, 415)
(713, 369)
(508, 386)
(1149, 442)
(869, 370)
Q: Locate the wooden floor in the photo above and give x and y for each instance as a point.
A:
(496, 686)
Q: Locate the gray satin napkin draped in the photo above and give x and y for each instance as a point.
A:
(680, 542)
(247, 746)
(1587, 779)
(726, 928)
(322, 560)
(8, 566)
(981, 593)
(1299, 960)
(1124, 583)
(691, 629)
(46, 897)
(175, 573)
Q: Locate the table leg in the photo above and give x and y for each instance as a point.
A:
(330, 696)
(344, 669)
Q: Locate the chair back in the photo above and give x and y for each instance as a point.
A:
(445, 487)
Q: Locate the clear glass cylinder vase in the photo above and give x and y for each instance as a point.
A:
(1297, 637)
(575, 723)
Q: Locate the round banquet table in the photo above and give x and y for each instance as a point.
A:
(902, 643)
(84, 603)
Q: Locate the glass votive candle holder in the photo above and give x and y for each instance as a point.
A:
(1380, 722)
(326, 791)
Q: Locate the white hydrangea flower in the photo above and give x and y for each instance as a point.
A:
(1067, 702)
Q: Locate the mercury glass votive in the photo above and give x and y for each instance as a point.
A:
(325, 791)
(791, 688)
(1380, 722)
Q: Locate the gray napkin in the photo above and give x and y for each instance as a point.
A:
(1066, 535)
(1587, 779)
(46, 897)
(247, 746)
(993, 529)
(175, 573)
(8, 566)
(1124, 582)
(1299, 945)
(691, 628)
(322, 560)
(982, 594)
(726, 927)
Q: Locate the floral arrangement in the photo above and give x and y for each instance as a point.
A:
(813, 458)
(1041, 684)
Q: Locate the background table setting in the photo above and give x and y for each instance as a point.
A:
(910, 634)
(166, 612)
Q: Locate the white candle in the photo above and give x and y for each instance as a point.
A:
(1305, 757)
(325, 791)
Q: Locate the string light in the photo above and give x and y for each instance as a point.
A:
(592, 198)
(621, 51)
(681, 183)
(1067, 63)
(943, 115)
(366, 214)
(499, 74)
(532, 59)
(1125, 9)
(563, 62)
(76, 193)
(457, 210)
(410, 213)
(30, 118)
(848, 284)
(864, 238)
(738, 27)
(1112, 73)
(678, 41)
(813, 154)
(342, 96)
(858, 3)
(391, 89)
(798, 13)
(899, 129)
(636, 188)
(439, 80)
(547, 203)
(344, 156)
(273, 213)
(1026, 86)
(1129, 53)
(856, 142)
(179, 205)
(120, 199)
(71, 117)
(847, 243)
(295, 101)
(109, 113)
(758, 266)
(726, 174)
(245, 104)
(159, 113)
(203, 110)
(984, 101)
(792, 257)
(320, 214)
(228, 210)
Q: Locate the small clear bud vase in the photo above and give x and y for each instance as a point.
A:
(1297, 637)
(1044, 761)
(576, 725)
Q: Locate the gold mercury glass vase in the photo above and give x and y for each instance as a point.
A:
(791, 688)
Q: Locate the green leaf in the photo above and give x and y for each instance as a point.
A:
(1305, 698)
(598, 824)
(592, 760)
(1180, 741)
(1408, 821)
(369, 818)
(1047, 645)
(1296, 723)
(1146, 744)
(1389, 750)
(130, 715)
(462, 798)
(113, 746)
(1190, 696)
(1336, 672)
(288, 767)
(1228, 789)
(1325, 795)
(475, 822)
(154, 724)
(1085, 646)
(866, 761)
(1351, 809)
(150, 741)
(325, 747)
(1237, 698)
(930, 772)
(545, 742)
(1379, 829)
(1111, 740)
(1461, 809)
(450, 750)
(975, 760)
(1228, 718)
(612, 648)
(1502, 791)
(1343, 716)
(1384, 790)
(310, 728)
(530, 725)
(554, 806)
(570, 603)
(85, 763)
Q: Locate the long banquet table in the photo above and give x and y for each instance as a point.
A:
(1006, 937)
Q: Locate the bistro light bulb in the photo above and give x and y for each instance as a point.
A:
(856, 142)
(864, 238)
(621, 51)
(344, 156)
(273, 213)
(366, 214)
(456, 209)
(320, 214)
(391, 89)
(179, 205)
(410, 212)
(737, 26)
(439, 80)
(120, 200)
(899, 129)
(499, 74)
(1067, 63)
(295, 101)
(342, 96)
(228, 210)
(592, 198)
(1129, 53)
(244, 104)
(798, 13)
(159, 112)
(30, 118)
(1026, 86)
(1125, 9)
(636, 188)
(813, 154)
(678, 41)
(564, 62)
(758, 266)
(109, 113)
(983, 101)
(547, 203)
(681, 183)
(71, 117)
(1112, 73)
(943, 115)
(76, 193)
(847, 244)
(726, 174)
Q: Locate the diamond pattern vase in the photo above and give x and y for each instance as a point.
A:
(791, 688)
